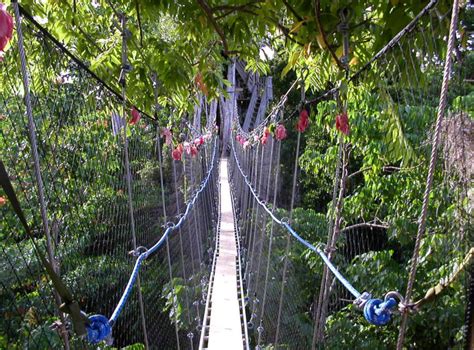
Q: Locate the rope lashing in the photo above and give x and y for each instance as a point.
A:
(100, 328)
(376, 311)
(422, 221)
(126, 68)
(432, 293)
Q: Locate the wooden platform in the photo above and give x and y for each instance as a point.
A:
(225, 330)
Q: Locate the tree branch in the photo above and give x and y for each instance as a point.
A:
(317, 10)
(285, 31)
(208, 11)
(292, 10)
(235, 10)
(359, 171)
(235, 7)
(139, 20)
(385, 168)
(364, 224)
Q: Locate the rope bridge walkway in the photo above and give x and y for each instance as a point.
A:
(121, 232)
(225, 307)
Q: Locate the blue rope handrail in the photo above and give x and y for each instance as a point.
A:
(100, 327)
(376, 311)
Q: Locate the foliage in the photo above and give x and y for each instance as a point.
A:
(178, 40)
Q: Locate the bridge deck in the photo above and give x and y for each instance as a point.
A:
(225, 330)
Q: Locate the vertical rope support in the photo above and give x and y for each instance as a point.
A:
(181, 249)
(260, 329)
(251, 247)
(332, 246)
(197, 228)
(37, 168)
(431, 170)
(288, 239)
(469, 322)
(191, 250)
(165, 216)
(256, 228)
(272, 226)
(128, 174)
(337, 200)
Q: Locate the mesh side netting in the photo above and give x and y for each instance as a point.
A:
(81, 151)
(282, 278)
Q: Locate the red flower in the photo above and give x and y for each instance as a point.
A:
(135, 116)
(166, 133)
(3, 201)
(303, 122)
(177, 152)
(280, 132)
(240, 139)
(342, 123)
(200, 83)
(266, 133)
(6, 27)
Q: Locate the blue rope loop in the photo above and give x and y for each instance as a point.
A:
(376, 311)
(99, 329)
(379, 312)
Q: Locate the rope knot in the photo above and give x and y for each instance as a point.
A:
(169, 224)
(285, 221)
(138, 251)
(378, 311)
(99, 329)
(328, 250)
(362, 300)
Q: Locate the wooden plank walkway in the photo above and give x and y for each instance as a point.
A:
(225, 330)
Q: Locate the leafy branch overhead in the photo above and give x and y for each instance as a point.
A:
(179, 39)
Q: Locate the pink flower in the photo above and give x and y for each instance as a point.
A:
(246, 144)
(187, 147)
(177, 152)
(342, 123)
(194, 150)
(303, 122)
(135, 116)
(166, 133)
(280, 132)
(6, 27)
(199, 141)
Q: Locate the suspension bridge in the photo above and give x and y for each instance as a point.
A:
(118, 231)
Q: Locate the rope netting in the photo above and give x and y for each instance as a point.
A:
(103, 211)
(291, 302)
